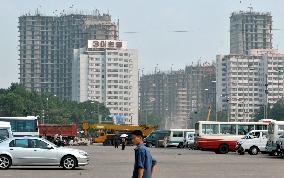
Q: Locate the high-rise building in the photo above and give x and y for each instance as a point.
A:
(107, 71)
(177, 95)
(250, 30)
(242, 81)
(46, 48)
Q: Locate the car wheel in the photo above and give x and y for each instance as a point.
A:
(253, 150)
(69, 162)
(223, 149)
(5, 162)
(180, 145)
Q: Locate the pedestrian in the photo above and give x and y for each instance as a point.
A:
(116, 141)
(123, 143)
(55, 139)
(145, 164)
(60, 143)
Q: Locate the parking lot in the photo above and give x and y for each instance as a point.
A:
(108, 162)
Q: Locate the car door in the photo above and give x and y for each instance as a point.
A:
(263, 141)
(21, 153)
(44, 154)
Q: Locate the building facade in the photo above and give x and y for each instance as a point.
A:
(107, 71)
(46, 46)
(247, 82)
(177, 95)
(250, 30)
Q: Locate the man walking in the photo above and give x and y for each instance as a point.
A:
(145, 165)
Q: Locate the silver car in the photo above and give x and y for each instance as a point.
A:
(33, 151)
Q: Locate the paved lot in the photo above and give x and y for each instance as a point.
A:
(106, 162)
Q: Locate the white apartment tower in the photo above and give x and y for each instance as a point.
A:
(107, 72)
(242, 79)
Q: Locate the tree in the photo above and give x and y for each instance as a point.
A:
(274, 111)
(16, 101)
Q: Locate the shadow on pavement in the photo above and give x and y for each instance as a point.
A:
(44, 168)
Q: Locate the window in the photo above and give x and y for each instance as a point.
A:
(244, 129)
(178, 134)
(21, 143)
(32, 143)
(41, 144)
(12, 143)
(23, 125)
(228, 129)
(4, 134)
(210, 129)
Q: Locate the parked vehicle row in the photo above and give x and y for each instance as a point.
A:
(170, 138)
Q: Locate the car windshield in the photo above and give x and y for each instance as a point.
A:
(50, 143)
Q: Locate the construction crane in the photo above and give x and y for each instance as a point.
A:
(209, 113)
(104, 130)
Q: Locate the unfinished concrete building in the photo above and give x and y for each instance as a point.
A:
(250, 30)
(177, 95)
(46, 46)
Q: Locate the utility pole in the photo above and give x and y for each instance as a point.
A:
(266, 98)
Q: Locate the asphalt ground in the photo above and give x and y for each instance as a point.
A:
(108, 162)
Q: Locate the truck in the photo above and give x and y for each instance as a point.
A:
(68, 131)
(253, 143)
(102, 132)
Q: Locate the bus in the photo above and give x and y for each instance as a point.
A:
(5, 130)
(222, 137)
(275, 130)
(23, 126)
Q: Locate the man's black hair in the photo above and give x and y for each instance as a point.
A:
(137, 133)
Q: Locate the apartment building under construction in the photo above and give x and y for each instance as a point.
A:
(46, 45)
(177, 95)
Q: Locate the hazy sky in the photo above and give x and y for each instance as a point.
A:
(207, 23)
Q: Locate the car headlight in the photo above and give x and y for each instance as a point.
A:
(83, 153)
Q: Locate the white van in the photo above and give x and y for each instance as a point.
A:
(177, 136)
(254, 142)
(5, 130)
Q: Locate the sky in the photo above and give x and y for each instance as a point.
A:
(207, 23)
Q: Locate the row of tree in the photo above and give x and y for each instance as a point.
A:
(16, 101)
(274, 111)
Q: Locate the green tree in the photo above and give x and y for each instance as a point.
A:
(16, 101)
(274, 111)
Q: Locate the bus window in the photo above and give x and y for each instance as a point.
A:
(178, 134)
(228, 129)
(260, 127)
(210, 129)
(244, 129)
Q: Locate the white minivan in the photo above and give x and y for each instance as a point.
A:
(253, 143)
(177, 136)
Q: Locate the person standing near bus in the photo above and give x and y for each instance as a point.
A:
(123, 143)
(145, 164)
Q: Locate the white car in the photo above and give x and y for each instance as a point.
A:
(34, 151)
(254, 142)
